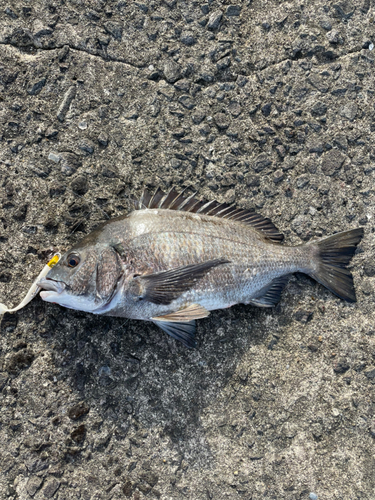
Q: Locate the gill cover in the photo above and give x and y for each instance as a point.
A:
(108, 272)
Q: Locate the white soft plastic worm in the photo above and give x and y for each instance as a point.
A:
(34, 290)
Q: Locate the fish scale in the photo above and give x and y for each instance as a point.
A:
(175, 258)
(203, 240)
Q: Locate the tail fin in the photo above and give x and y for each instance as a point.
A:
(334, 254)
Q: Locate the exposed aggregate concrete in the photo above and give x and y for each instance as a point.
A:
(269, 104)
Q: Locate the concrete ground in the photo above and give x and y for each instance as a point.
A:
(268, 104)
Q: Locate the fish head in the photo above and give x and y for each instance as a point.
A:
(85, 278)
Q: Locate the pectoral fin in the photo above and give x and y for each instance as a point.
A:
(166, 286)
(182, 331)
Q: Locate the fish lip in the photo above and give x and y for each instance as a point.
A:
(51, 285)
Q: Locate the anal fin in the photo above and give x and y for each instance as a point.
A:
(270, 295)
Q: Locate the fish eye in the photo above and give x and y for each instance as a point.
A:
(73, 260)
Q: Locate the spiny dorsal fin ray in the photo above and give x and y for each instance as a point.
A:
(145, 199)
(168, 199)
(177, 201)
(155, 200)
(188, 203)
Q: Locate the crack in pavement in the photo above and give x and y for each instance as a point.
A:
(339, 57)
(106, 58)
(109, 59)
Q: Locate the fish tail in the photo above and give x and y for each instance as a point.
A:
(332, 256)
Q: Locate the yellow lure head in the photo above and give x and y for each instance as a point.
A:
(55, 259)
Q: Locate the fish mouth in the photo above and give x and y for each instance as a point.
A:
(49, 285)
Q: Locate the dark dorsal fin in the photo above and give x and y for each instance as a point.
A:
(173, 200)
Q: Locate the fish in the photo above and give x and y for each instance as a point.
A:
(175, 258)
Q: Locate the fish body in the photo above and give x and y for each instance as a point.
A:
(174, 259)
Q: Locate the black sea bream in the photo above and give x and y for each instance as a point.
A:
(175, 258)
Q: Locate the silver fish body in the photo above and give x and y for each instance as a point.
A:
(177, 259)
